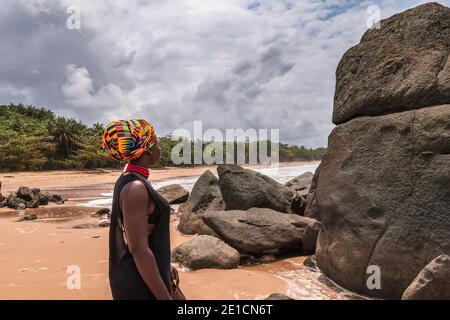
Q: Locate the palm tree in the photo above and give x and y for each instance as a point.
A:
(98, 128)
(67, 132)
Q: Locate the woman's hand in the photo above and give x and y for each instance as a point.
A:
(175, 291)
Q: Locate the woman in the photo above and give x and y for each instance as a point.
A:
(139, 235)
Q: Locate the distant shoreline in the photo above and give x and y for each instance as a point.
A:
(55, 179)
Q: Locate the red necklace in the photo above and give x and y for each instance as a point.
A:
(139, 169)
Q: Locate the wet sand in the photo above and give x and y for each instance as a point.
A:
(34, 255)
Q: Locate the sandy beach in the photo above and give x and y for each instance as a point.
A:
(35, 255)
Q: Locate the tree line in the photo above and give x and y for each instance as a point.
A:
(34, 138)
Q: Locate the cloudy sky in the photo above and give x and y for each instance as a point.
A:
(229, 63)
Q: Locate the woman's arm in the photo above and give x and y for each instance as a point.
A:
(135, 203)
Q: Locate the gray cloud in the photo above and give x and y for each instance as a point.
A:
(231, 64)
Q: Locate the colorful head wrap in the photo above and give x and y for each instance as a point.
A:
(127, 140)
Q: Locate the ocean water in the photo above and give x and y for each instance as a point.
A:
(282, 175)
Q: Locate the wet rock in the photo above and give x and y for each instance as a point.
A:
(206, 252)
(432, 283)
(205, 196)
(174, 193)
(243, 189)
(311, 263)
(258, 231)
(278, 296)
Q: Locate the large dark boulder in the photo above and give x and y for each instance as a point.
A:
(432, 283)
(174, 193)
(243, 189)
(206, 252)
(383, 198)
(404, 65)
(205, 196)
(382, 195)
(259, 231)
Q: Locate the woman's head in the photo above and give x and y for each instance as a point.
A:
(134, 141)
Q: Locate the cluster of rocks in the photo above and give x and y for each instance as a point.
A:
(104, 215)
(244, 214)
(382, 194)
(26, 197)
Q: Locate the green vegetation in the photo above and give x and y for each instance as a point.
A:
(36, 139)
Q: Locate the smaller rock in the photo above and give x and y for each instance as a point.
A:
(25, 193)
(3, 203)
(174, 193)
(259, 231)
(301, 183)
(432, 283)
(60, 202)
(206, 252)
(28, 217)
(102, 212)
(43, 197)
(278, 296)
(205, 196)
(310, 237)
(35, 191)
(56, 198)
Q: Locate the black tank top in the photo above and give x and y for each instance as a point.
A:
(124, 278)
